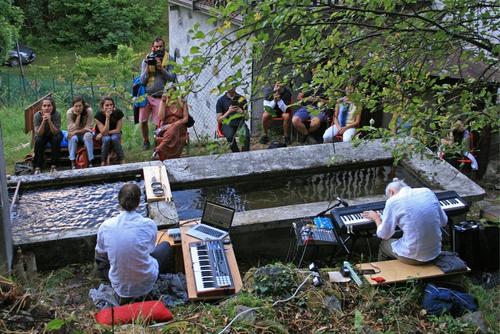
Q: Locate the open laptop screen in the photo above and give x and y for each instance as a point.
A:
(217, 215)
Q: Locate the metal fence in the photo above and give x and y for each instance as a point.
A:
(14, 91)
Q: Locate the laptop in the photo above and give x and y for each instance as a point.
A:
(215, 222)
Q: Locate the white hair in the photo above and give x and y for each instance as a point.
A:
(395, 185)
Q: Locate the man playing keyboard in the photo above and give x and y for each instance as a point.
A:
(420, 217)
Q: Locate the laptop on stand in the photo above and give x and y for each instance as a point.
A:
(215, 222)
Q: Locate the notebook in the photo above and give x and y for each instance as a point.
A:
(215, 222)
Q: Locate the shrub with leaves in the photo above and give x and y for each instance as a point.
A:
(274, 279)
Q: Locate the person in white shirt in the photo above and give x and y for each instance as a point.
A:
(126, 250)
(420, 217)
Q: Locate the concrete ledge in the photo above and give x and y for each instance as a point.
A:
(242, 167)
(217, 169)
(76, 176)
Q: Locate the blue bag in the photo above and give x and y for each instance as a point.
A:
(139, 93)
(439, 300)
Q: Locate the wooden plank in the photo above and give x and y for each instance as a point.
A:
(394, 271)
(191, 285)
(152, 174)
(166, 183)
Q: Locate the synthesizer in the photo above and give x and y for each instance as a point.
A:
(312, 235)
(349, 219)
(212, 274)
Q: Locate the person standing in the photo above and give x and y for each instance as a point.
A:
(419, 216)
(47, 124)
(80, 124)
(154, 76)
(231, 108)
(109, 122)
(126, 253)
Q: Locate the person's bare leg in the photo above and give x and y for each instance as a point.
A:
(315, 124)
(299, 126)
(286, 124)
(145, 131)
(266, 122)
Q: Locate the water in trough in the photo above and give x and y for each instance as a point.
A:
(39, 212)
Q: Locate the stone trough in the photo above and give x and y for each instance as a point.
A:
(255, 233)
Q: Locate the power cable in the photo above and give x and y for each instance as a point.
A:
(274, 304)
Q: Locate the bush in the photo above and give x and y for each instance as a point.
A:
(105, 23)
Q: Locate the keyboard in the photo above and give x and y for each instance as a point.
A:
(205, 232)
(209, 231)
(210, 268)
(350, 220)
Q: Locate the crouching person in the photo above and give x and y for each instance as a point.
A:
(109, 121)
(126, 253)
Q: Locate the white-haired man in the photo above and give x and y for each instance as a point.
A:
(420, 217)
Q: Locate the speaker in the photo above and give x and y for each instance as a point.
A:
(477, 245)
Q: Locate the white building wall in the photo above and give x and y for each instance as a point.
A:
(202, 104)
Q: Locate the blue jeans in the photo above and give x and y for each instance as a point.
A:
(115, 140)
(86, 139)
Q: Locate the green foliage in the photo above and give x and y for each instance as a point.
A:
(10, 24)
(55, 324)
(101, 24)
(398, 55)
(274, 280)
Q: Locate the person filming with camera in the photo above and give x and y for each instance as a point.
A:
(154, 76)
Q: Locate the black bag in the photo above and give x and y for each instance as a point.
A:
(190, 122)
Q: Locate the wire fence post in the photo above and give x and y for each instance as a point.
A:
(93, 97)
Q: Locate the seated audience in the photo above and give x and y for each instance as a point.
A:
(308, 118)
(231, 108)
(276, 104)
(172, 133)
(419, 216)
(47, 124)
(126, 252)
(345, 121)
(109, 122)
(80, 129)
(461, 136)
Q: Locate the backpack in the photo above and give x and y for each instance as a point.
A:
(82, 159)
(438, 300)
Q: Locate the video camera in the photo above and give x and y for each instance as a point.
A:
(151, 57)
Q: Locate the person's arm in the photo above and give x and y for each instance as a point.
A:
(387, 224)
(103, 128)
(161, 110)
(71, 123)
(357, 119)
(39, 123)
(89, 124)
(118, 128)
(335, 120)
(144, 72)
(185, 111)
(54, 122)
(221, 113)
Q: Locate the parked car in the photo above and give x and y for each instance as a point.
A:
(27, 54)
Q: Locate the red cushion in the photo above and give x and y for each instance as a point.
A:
(125, 314)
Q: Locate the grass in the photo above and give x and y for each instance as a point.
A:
(59, 301)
